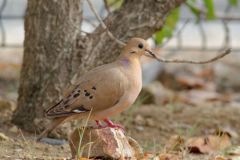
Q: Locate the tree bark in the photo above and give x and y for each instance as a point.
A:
(55, 53)
(49, 52)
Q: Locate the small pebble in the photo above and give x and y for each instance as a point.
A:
(139, 128)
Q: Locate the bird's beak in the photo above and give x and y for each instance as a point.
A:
(150, 54)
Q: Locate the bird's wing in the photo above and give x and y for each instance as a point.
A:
(97, 90)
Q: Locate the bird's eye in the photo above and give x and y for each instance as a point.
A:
(140, 45)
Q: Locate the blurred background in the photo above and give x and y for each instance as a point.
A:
(180, 99)
(198, 37)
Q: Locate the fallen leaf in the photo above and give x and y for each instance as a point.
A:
(220, 158)
(227, 130)
(190, 82)
(196, 97)
(175, 143)
(83, 158)
(205, 73)
(149, 155)
(167, 156)
(208, 144)
(234, 151)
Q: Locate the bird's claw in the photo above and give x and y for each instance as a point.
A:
(109, 124)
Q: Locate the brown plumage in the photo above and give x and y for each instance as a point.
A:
(106, 90)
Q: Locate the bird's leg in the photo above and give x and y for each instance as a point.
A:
(99, 125)
(112, 125)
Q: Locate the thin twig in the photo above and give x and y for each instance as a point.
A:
(103, 24)
(106, 6)
(226, 28)
(203, 35)
(224, 53)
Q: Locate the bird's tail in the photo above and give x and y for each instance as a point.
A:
(56, 122)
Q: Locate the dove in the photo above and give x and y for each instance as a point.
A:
(104, 91)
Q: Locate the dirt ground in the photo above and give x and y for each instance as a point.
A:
(150, 125)
(196, 108)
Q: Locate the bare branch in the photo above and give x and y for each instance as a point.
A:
(222, 54)
(103, 24)
(226, 28)
(227, 51)
(106, 6)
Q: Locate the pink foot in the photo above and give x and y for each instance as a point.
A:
(112, 125)
(99, 125)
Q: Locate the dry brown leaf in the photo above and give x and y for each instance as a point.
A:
(208, 144)
(234, 152)
(82, 158)
(231, 154)
(166, 156)
(220, 158)
(175, 143)
(149, 155)
(191, 82)
(205, 73)
(196, 97)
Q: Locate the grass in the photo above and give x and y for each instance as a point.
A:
(81, 133)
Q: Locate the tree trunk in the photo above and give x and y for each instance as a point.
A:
(49, 54)
(55, 53)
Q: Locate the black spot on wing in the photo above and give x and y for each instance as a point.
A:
(87, 94)
(76, 95)
(94, 88)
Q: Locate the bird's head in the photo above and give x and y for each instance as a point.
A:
(137, 47)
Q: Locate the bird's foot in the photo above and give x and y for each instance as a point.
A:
(99, 125)
(109, 123)
(113, 125)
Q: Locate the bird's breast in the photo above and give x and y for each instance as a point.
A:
(134, 82)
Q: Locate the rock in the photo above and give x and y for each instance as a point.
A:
(105, 142)
(167, 156)
(3, 137)
(139, 128)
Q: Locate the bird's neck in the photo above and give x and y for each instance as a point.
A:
(131, 67)
(129, 61)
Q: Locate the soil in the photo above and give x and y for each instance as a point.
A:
(150, 125)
